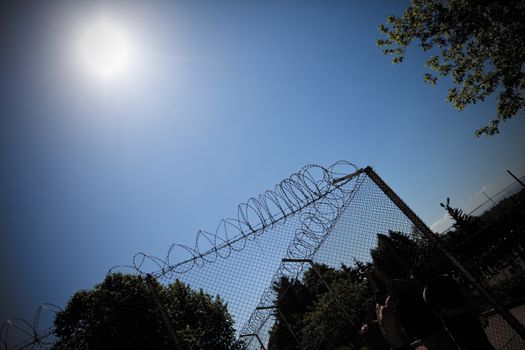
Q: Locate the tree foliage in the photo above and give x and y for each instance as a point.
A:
(478, 43)
(323, 319)
(401, 265)
(396, 256)
(121, 312)
(493, 243)
(316, 315)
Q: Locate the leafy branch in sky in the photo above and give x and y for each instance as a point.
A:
(479, 44)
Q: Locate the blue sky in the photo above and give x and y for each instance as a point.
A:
(225, 99)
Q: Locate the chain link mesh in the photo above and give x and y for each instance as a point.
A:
(320, 218)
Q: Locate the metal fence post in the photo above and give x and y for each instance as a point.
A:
(339, 303)
(165, 318)
(288, 325)
(425, 230)
(256, 336)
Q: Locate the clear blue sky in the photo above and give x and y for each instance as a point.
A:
(226, 98)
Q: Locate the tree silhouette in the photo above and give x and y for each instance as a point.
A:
(121, 312)
(322, 319)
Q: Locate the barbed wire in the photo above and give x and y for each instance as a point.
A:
(292, 221)
(316, 224)
(32, 333)
(291, 196)
(314, 187)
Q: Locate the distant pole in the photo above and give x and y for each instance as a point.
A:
(515, 177)
(489, 197)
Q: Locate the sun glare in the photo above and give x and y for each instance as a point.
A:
(105, 50)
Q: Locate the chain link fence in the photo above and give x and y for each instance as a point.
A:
(314, 262)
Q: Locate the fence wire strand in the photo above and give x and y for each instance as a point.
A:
(317, 217)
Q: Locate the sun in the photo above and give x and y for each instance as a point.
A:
(105, 50)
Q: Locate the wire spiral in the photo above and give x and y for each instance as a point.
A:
(315, 194)
(313, 184)
(33, 333)
(316, 223)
